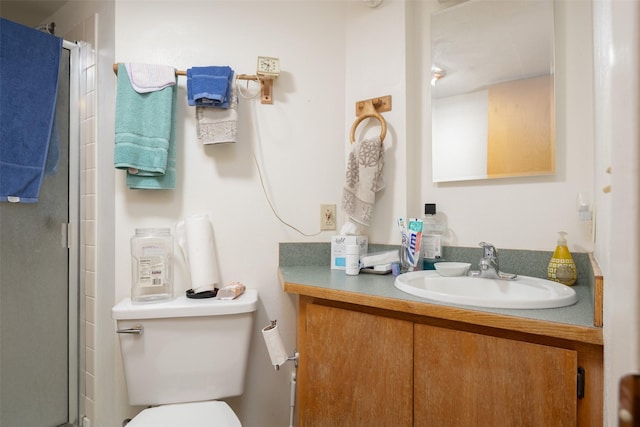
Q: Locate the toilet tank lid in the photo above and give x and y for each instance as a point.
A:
(186, 307)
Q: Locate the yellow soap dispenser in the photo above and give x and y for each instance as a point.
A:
(561, 267)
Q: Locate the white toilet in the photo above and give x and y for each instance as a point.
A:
(181, 355)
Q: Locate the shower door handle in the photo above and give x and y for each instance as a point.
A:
(64, 235)
(136, 330)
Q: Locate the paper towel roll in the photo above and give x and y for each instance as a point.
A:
(195, 237)
(272, 339)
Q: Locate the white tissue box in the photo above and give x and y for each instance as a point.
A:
(339, 249)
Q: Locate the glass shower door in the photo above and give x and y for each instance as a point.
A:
(34, 294)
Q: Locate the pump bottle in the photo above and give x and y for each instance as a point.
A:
(561, 267)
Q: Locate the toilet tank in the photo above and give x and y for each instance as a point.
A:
(188, 349)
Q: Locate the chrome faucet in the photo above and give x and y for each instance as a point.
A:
(489, 265)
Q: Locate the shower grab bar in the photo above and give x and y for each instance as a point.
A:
(136, 330)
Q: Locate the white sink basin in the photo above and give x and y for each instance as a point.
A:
(523, 293)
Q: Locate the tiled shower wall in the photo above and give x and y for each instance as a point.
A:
(87, 32)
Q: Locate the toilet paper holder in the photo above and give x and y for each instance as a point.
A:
(277, 352)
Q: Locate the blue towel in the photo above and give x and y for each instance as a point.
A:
(209, 86)
(53, 154)
(144, 128)
(30, 61)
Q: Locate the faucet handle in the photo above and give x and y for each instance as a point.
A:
(489, 264)
(489, 251)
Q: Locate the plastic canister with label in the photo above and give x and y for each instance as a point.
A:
(151, 265)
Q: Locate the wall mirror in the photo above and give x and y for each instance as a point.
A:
(492, 89)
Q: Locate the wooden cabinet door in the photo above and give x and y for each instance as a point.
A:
(356, 370)
(467, 379)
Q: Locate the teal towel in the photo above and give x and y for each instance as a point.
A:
(168, 180)
(143, 129)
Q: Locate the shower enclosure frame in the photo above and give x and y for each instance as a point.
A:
(56, 290)
(76, 305)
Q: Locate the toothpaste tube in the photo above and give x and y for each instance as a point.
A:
(414, 240)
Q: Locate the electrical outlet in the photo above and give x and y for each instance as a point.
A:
(327, 217)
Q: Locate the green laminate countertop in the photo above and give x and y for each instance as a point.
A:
(304, 272)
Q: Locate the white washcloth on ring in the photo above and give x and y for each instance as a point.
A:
(218, 125)
(363, 179)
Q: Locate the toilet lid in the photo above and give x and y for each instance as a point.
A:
(196, 414)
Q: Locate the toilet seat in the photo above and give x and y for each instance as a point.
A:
(196, 414)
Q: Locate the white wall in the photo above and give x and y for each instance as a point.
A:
(299, 143)
(460, 125)
(617, 47)
(376, 65)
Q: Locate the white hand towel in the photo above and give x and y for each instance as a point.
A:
(218, 125)
(363, 179)
(150, 77)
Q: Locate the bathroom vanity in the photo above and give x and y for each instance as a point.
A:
(373, 355)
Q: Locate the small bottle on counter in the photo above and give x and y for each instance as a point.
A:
(433, 230)
(352, 261)
(151, 265)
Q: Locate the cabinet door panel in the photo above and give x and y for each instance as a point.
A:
(477, 380)
(358, 369)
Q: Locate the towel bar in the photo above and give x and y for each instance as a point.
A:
(266, 83)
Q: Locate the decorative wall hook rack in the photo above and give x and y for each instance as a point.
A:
(381, 104)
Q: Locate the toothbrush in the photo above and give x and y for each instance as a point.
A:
(402, 227)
